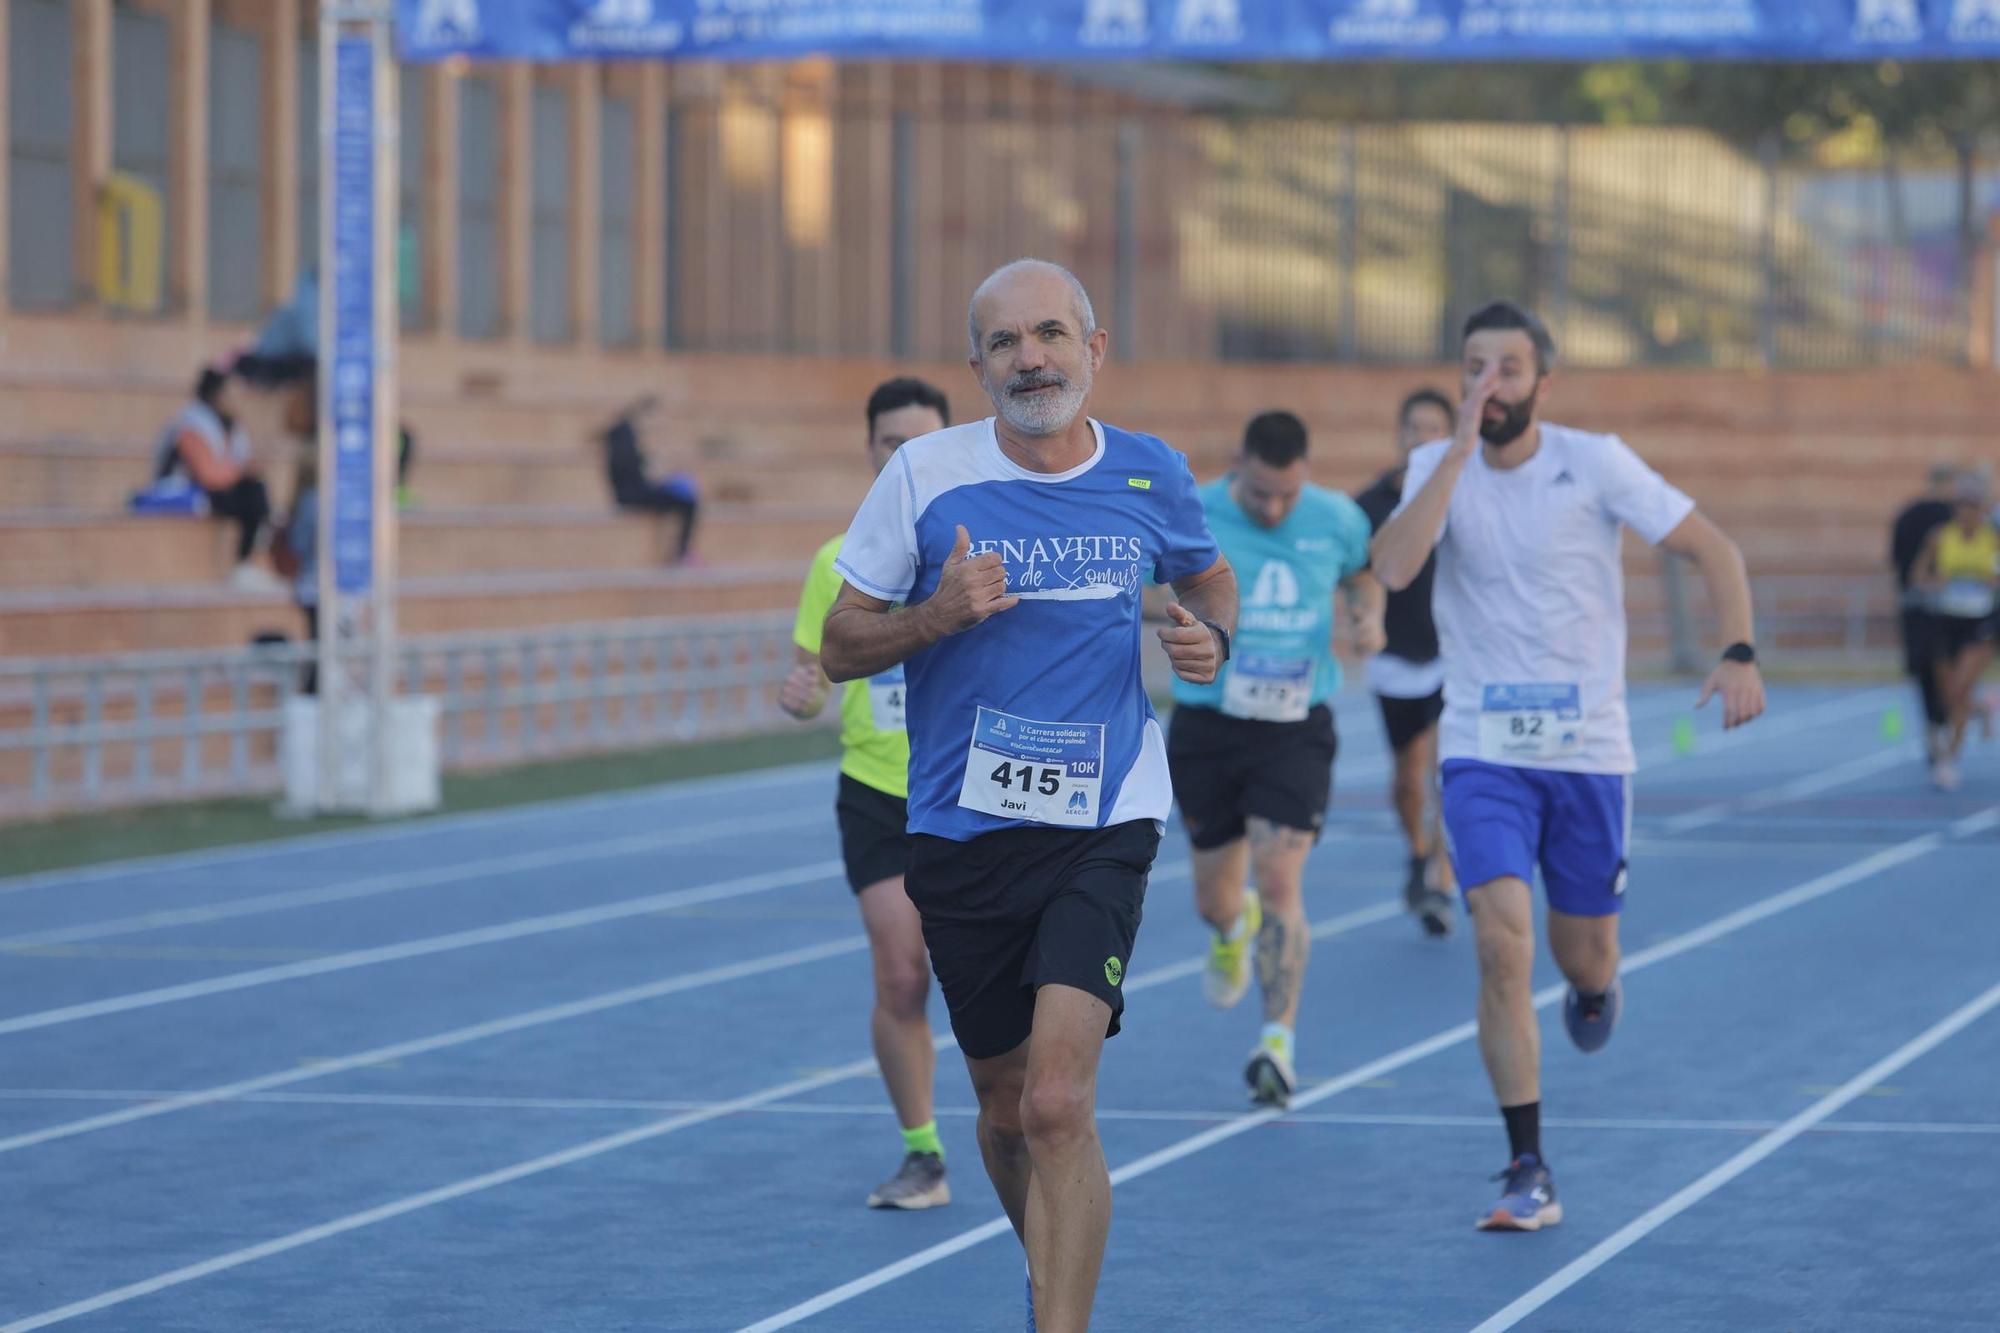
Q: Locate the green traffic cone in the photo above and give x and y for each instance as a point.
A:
(1892, 724)
(1684, 735)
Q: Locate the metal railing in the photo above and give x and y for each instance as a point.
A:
(117, 730)
(89, 732)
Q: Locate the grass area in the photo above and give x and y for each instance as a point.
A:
(76, 840)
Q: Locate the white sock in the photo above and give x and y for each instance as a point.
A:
(1278, 1038)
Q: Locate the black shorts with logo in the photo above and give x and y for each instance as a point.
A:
(874, 833)
(1227, 769)
(1407, 719)
(1017, 909)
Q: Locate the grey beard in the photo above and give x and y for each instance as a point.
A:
(1043, 416)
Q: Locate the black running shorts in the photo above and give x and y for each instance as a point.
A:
(1227, 769)
(874, 837)
(1407, 719)
(1011, 911)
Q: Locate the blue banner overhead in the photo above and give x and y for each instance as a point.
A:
(1306, 30)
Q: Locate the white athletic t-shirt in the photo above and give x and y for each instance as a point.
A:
(1530, 599)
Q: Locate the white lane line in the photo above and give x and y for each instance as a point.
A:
(1374, 1069)
(1681, 1200)
(442, 1041)
(435, 826)
(1376, 766)
(1796, 790)
(525, 928)
(368, 886)
(1973, 825)
(1652, 703)
(595, 1004)
(569, 1156)
(440, 1101)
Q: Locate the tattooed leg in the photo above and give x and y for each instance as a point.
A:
(1278, 858)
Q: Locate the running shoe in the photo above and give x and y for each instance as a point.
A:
(1590, 1028)
(919, 1183)
(1227, 975)
(1270, 1076)
(1416, 884)
(1944, 774)
(1527, 1200)
(1430, 905)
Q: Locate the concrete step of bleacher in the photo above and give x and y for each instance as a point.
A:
(82, 475)
(65, 622)
(1848, 474)
(96, 550)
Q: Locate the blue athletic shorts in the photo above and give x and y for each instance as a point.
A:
(1500, 820)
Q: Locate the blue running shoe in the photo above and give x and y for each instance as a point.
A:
(1031, 1303)
(1590, 1030)
(1527, 1201)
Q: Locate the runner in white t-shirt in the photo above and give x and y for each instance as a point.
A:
(1536, 747)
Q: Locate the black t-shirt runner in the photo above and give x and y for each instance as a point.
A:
(1906, 539)
(1412, 633)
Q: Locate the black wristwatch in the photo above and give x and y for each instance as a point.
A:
(1739, 652)
(1221, 637)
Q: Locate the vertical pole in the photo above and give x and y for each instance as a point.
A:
(280, 202)
(6, 137)
(441, 198)
(188, 172)
(385, 437)
(1767, 253)
(356, 438)
(649, 197)
(1968, 240)
(1559, 243)
(1125, 256)
(902, 234)
(333, 628)
(586, 192)
(1350, 243)
(90, 135)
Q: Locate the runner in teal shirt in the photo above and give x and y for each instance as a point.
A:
(1252, 753)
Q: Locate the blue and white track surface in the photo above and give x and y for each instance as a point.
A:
(603, 1065)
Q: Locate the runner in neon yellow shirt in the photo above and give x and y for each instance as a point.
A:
(873, 812)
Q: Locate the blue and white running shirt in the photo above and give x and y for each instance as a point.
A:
(1038, 715)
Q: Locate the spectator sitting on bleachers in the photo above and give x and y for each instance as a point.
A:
(206, 445)
(631, 488)
(287, 347)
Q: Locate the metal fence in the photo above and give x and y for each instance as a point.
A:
(92, 732)
(102, 731)
(1246, 236)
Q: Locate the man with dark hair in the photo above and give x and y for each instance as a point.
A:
(1252, 752)
(1407, 679)
(873, 813)
(1526, 519)
(208, 446)
(1038, 776)
(1907, 535)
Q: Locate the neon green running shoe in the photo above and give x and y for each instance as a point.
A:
(1227, 975)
